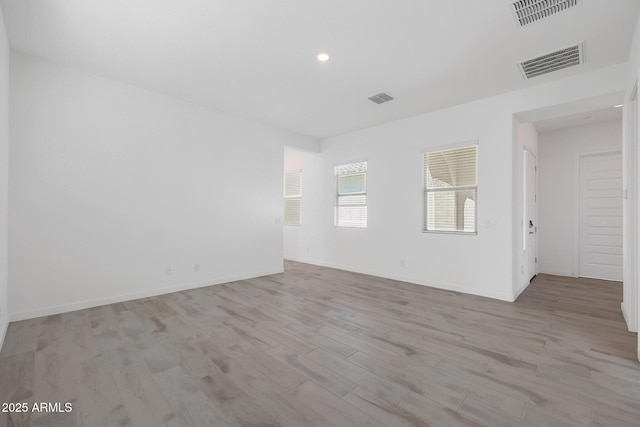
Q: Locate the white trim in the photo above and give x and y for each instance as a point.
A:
(557, 273)
(630, 326)
(502, 296)
(48, 311)
(525, 230)
(303, 260)
(576, 217)
(634, 317)
(455, 233)
(520, 290)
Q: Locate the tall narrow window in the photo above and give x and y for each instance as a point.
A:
(450, 190)
(292, 198)
(351, 195)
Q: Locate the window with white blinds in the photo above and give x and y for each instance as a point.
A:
(450, 190)
(351, 195)
(292, 198)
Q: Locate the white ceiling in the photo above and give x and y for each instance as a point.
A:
(257, 58)
(580, 119)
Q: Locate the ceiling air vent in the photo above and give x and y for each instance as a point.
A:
(381, 98)
(527, 12)
(563, 58)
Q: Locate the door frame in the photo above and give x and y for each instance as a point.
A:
(526, 152)
(631, 197)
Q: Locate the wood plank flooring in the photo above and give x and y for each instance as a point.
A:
(320, 347)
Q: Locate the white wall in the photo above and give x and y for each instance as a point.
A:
(4, 177)
(485, 264)
(630, 215)
(110, 185)
(296, 238)
(524, 135)
(631, 300)
(394, 179)
(559, 153)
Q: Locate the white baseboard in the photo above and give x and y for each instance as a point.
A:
(80, 305)
(520, 290)
(630, 326)
(557, 272)
(503, 296)
(304, 261)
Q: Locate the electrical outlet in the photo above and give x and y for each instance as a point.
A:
(277, 220)
(489, 224)
(402, 263)
(196, 267)
(169, 271)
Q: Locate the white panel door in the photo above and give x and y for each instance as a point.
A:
(601, 216)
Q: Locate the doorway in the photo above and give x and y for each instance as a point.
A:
(600, 216)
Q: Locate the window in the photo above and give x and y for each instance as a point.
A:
(450, 190)
(292, 197)
(351, 195)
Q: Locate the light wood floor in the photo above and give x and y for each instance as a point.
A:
(315, 347)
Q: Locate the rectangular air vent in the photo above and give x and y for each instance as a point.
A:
(527, 12)
(380, 98)
(563, 58)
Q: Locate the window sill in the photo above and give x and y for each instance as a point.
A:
(457, 233)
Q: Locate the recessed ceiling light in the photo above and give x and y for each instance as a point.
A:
(588, 118)
(617, 106)
(323, 57)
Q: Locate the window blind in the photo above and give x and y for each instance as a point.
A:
(292, 198)
(450, 190)
(351, 195)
